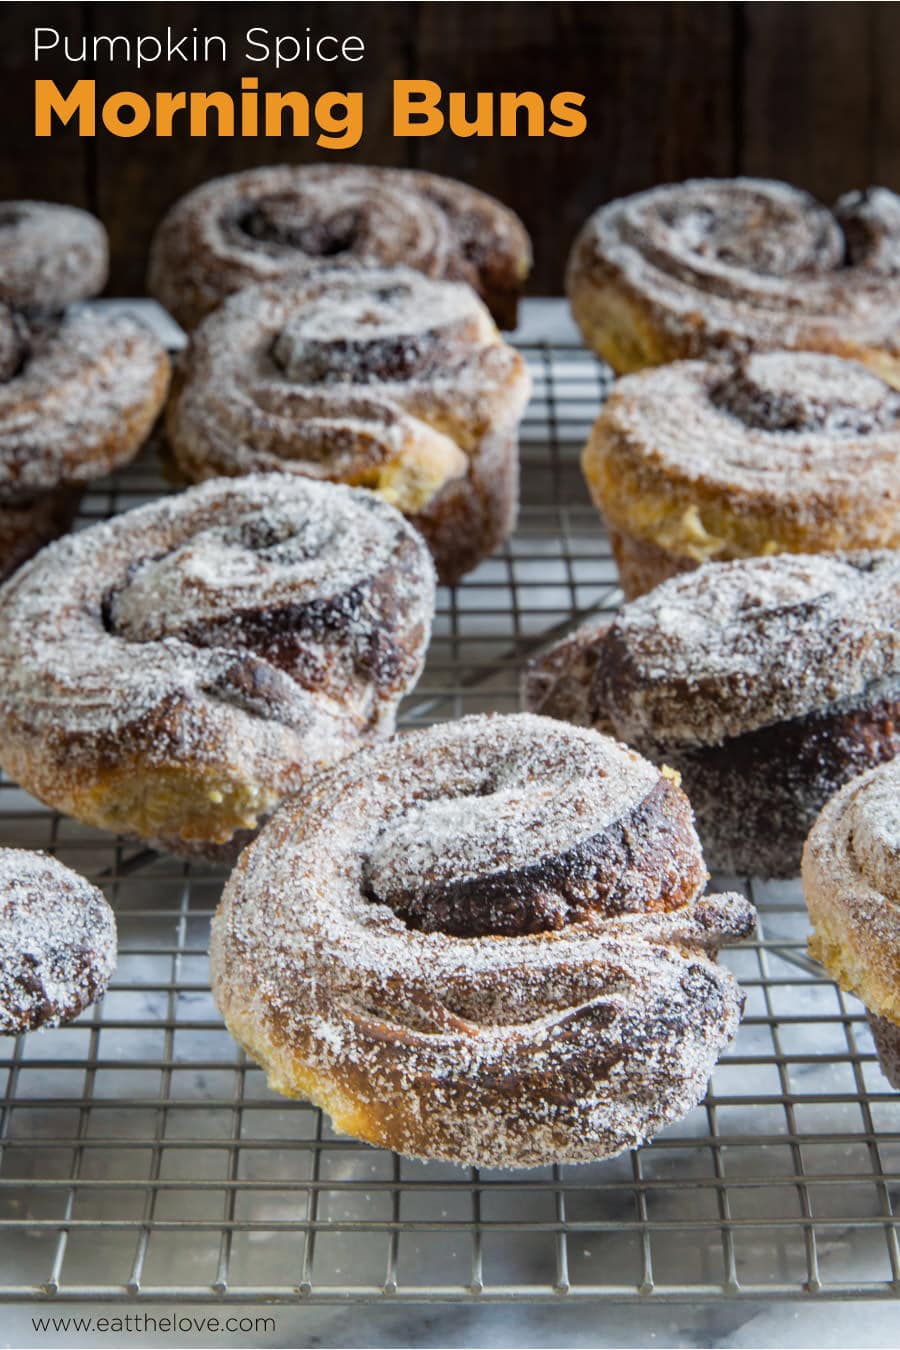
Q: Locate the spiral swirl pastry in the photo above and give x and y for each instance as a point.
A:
(50, 255)
(375, 377)
(272, 223)
(784, 452)
(733, 266)
(57, 942)
(484, 942)
(172, 673)
(851, 882)
(767, 683)
(78, 397)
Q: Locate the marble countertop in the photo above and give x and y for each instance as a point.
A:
(746, 1326)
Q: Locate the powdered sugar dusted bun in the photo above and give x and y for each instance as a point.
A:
(79, 394)
(78, 398)
(767, 683)
(784, 452)
(717, 266)
(851, 882)
(57, 942)
(174, 672)
(376, 377)
(50, 255)
(483, 942)
(267, 224)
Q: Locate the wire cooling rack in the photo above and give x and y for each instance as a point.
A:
(143, 1158)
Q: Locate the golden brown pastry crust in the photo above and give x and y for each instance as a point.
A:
(375, 377)
(273, 223)
(483, 942)
(174, 672)
(851, 882)
(713, 267)
(784, 452)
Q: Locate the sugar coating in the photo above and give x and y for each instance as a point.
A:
(746, 263)
(57, 942)
(499, 1050)
(870, 830)
(859, 834)
(50, 255)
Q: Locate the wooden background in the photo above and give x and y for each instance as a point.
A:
(805, 92)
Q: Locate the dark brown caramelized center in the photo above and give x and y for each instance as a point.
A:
(280, 219)
(494, 865)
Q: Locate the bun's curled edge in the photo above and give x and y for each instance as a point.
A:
(79, 394)
(851, 883)
(50, 255)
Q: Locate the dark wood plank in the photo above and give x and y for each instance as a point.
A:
(54, 168)
(884, 152)
(808, 94)
(658, 81)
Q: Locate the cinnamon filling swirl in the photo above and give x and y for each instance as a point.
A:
(274, 219)
(496, 863)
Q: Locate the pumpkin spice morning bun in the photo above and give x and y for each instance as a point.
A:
(485, 942)
(782, 452)
(272, 223)
(766, 683)
(376, 377)
(174, 672)
(714, 267)
(851, 883)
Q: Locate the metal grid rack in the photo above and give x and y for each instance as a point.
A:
(142, 1156)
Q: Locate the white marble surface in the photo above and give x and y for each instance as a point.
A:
(751, 1326)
